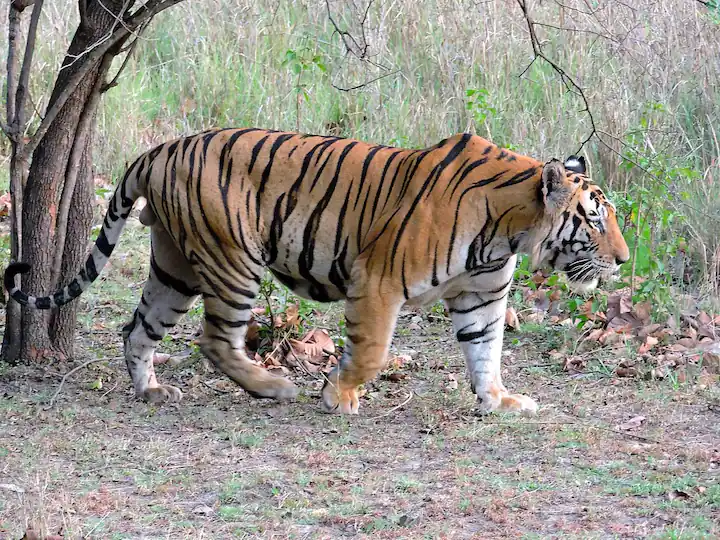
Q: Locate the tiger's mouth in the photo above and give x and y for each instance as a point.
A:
(585, 275)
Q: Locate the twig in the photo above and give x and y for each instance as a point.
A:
(216, 389)
(351, 44)
(73, 370)
(113, 388)
(113, 83)
(395, 408)
(366, 83)
(566, 79)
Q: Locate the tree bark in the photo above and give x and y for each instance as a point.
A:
(45, 183)
(62, 329)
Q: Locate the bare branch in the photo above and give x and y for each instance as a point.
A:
(22, 88)
(366, 83)
(130, 49)
(140, 16)
(351, 44)
(566, 79)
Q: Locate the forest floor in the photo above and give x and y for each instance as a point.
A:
(606, 457)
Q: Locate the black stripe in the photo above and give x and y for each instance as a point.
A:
(438, 170)
(172, 282)
(266, 173)
(463, 311)
(307, 255)
(404, 282)
(103, 245)
(219, 322)
(518, 178)
(463, 336)
(255, 151)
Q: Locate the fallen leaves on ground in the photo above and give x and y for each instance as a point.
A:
(662, 347)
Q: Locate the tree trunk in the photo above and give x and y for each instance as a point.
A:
(43, 190)
(62, 330)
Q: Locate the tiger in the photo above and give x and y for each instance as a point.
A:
(340, 219)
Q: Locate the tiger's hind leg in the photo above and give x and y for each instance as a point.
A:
(223, 341)
(169, 292)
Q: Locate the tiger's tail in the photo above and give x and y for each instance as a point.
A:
(127, 192)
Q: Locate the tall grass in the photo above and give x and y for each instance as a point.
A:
(220, 62)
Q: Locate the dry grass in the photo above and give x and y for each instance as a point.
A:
(221, 63)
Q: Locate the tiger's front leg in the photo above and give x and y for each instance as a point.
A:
(370, 320)
(479, 322)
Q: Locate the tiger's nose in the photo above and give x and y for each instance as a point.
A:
(621, 259)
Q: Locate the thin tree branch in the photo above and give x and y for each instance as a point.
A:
(73, 370)
(130, 49)
(566, 79)
(140, 16)
(351, 44)
(22, 88)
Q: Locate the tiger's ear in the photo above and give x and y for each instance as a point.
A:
(555, 187)
(575, 164)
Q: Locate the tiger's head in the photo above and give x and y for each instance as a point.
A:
(582, 235)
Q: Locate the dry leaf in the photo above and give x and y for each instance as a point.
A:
(5, 204)
(574, 363)
(595, 335)
(649, 343)
(511, 319)
(626, 372)
(292, 315)
(396, 362)
(452, 383)
(678, 494)
(634, 423)
(313, 346)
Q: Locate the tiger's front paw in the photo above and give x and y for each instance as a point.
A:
(338, 400)
(502, 401)
(161, 393)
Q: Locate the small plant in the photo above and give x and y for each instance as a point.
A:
(302, 62)
(651, 212)
(480, 108)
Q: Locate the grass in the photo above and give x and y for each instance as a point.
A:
(193, 70)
